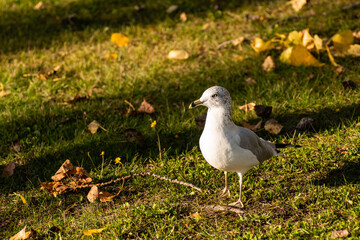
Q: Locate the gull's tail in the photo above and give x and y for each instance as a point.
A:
(282, 145)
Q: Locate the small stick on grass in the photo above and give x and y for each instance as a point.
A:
(141, 175)
(223, 208)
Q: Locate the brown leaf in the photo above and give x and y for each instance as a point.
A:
(183, 17)
(94, 126)
(272, 126)
(342, 150)
(356, 34)
(268, 64)
(253, 128)
(105, 196)
(340, 234)
(247, 107)
(132, 135)
(15, 146)
(263, 111)
(93, 194)
(54, 71)
(145, 107)
(200, 121)
(8, 171)
(65, 169)
(39, 5)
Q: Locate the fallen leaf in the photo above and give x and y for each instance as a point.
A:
(8, 171)
(342, 150)
(65, 169)
(342, 40)
(105, 196)
(237, 41)
(15, 146)
(295, 38)
(299, 55)
(183, 17)
(305, 123)
(92, 231)
(120, 39)
(272, 126)
(253, 128)
(4, 93)
(260, 46)
(353, 50)
(340, 234)
(132, 135)
(172, 9)
(247, 107)
(196, 216)
(111, 56)
(349, 84)
(263, 111)
(200, 121)
(146, 107)
(22, 199)
(178, 54)
(54, 70)
(94, 126)
(268, 64)
(356, 34)
(318, 42)
(250, 81)
(39, 5)
(307, 39)
(93, 194)
(297, 5)
(205, 26)
(332, 60)
(20, 235)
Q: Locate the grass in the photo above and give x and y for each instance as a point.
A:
(309, 193)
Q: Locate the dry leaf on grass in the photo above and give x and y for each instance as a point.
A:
(39, 5)
(297, 5)
(272, 126)
(94, 126)
(23, 235)
(298, 55)
(120, 39)
(4, 93)
(146, 107)
(343, 40)
(183, 17)
(260, 46)
(196, 216)
(263, 111)
(92, 231)
(178, 54)
(253, 128)
(342, 150)
(247, 107)
(15, 146)
(8, 171)
(268, 65)
(340, 234)
(93, 194)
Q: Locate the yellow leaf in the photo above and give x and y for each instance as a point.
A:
(332, 60)
(259, 45)
(22, 199)
(196, 215)
(307, 40)
(343, 40)
(111, 56)
(120, 40)
(93, 231)
(297, 4)
(318, 42)
(178, 54)
(299, 55)
(353, 50)
(295, 37)
(19, 235)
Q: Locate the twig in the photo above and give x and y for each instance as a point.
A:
(223, 208)
(143, 174)
(224, 44)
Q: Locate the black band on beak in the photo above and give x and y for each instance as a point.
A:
(195, 104)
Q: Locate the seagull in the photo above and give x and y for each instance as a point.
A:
(226, 146)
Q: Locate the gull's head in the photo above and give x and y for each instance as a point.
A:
(214, 97)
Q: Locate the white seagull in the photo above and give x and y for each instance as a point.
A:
(226, 146)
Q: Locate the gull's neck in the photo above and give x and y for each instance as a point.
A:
(218, 117)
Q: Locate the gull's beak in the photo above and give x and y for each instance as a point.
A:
(195, 103)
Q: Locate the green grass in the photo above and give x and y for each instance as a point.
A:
(306, 194)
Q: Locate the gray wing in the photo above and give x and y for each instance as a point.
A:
(262, 149)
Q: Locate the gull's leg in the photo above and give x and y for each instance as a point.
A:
(225, 192)
(238, 203)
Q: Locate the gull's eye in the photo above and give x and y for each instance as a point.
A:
(214, 95)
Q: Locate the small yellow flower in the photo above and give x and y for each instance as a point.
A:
(102, 153)
(153, 124)
(117, 160)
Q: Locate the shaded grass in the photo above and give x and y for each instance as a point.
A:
(306, 194)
